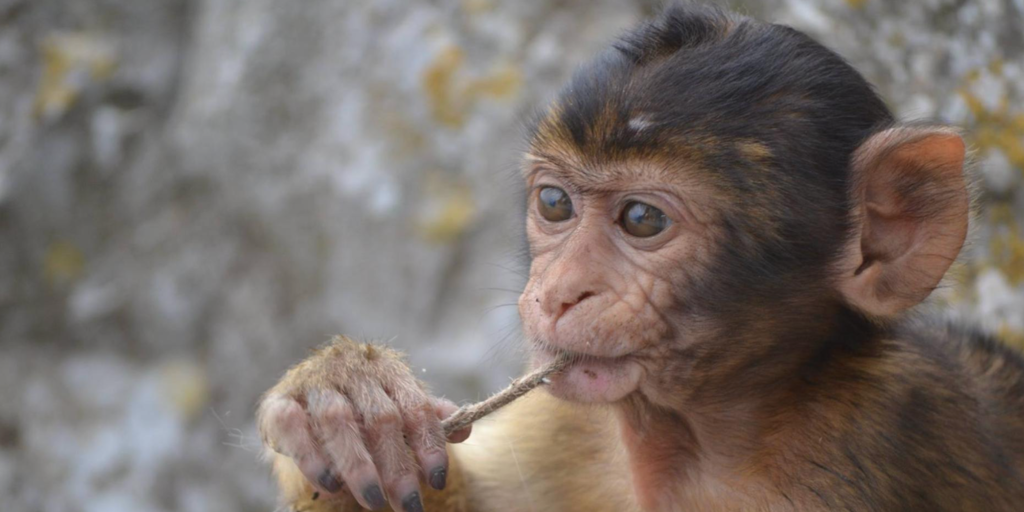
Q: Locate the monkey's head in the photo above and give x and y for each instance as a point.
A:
(714, 201)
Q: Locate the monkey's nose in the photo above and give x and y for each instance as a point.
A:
(566, 306)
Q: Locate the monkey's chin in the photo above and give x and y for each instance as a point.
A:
(592, 380)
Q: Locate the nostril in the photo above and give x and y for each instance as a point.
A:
(566, 306)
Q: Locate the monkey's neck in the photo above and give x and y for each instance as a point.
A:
(719, 429)
(670, 451)
(662, 449)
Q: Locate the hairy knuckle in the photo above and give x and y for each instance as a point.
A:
(384, 418)
(397, 478)
(433, 440)
(392, 482)
(419, 414)
(420, 404)
(427, 441)
(337, 413)
(279, 416)
(356, 464)
(407, 390)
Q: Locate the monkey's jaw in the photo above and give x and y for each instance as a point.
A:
(591, 379)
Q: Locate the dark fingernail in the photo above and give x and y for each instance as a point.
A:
(329, 482)
(412, 503)
(438, 477)
(374, 498)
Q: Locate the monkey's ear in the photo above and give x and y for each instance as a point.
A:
(911, 209)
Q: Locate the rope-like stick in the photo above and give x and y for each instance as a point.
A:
(468, 414)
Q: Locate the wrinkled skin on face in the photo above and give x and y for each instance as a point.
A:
(597, 291)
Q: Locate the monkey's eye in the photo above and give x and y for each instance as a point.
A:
(554, 204)
(643, 220)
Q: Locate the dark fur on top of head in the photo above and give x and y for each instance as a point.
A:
(698, 81)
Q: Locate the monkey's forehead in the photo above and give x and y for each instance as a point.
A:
(723, 91)
(618, 150)
(590, 174)
(589, 129)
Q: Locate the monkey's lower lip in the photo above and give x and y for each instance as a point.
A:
(592, 378)
(620, 353)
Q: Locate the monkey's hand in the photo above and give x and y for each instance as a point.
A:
(353, 415)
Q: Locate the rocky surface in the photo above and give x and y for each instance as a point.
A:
(195, 192)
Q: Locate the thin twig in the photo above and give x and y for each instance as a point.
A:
(468, 414)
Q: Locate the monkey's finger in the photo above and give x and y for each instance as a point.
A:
(446, 408)
(336, 427)
(423, 430)
(285, 428)
(383, 431)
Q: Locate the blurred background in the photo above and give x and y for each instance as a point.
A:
(194, 193)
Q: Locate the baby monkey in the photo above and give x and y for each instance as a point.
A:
(727, 228)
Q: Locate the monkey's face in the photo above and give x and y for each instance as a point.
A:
(711, 199)
(611, 253)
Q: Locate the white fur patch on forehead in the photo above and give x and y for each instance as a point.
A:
(640, 123)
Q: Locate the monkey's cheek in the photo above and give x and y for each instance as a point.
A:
(596, 381)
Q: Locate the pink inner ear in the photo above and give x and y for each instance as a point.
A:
(915, 210)
(887, 235)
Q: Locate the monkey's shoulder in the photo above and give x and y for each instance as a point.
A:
(928, 418)
(928, 356)
(990, 369)
(988, 373)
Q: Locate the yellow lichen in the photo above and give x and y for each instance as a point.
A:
(451, 221)
(897, 39)
(449, 209)
(856, 4)
(998, 128)
(452, 94)
(408, 140)
(477, 6)
(63, 263)
(1000, 214)
(959, 276)
(1010, 336)
(996, 66)
(438, 82)
(503, 83)
(1007, 253)
(70, 62)
(186, 387)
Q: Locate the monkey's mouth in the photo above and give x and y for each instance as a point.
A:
(591, 378)
(576, 355)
